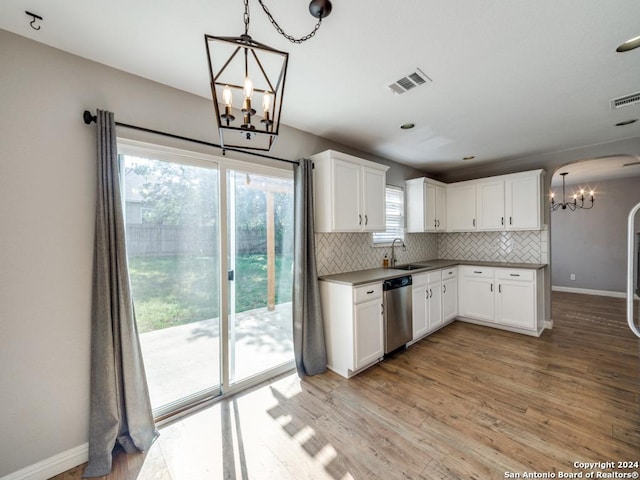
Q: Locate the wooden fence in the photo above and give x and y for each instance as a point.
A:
(149, 239)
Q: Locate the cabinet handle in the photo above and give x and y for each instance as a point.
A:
(369, 292)
(514, 274)
(491, 287)
(359, 219)
(499, 288)
(477, 271)
(430, 293)
(474, 222)
(444, 289)
(501, 220)
(366, 220)
(382, 309)
(510, 220)
(435, 223)
(438, 223)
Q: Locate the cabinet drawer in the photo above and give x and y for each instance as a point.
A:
(482, 272)
(419, 279)
(367, 292)
(515, 274)
(434, 276)
(449, 273)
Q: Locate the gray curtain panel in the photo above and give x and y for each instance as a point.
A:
(308, 330)
(121, 416)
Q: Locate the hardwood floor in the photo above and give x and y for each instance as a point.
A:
(467, 402)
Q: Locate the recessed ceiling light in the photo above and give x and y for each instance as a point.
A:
(407, 126)
(626, 122)
(629, 44)
(470, 157)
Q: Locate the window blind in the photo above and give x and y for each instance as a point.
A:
(394, 216)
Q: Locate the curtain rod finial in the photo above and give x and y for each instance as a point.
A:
(88, 118)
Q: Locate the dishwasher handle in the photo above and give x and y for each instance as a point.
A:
(399, 282)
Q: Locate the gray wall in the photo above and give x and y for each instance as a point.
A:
(592, 243)
(47, 196)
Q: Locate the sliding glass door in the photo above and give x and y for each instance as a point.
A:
(172, 230)
(260, 262)
(210, 250)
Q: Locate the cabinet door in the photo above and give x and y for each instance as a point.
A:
(419, 307)
(345, 195)
(415, 196)
(523, 203)
(490, 205)
(461, 207)
(430, 219)
(477, 298)
(516, 304)
(441, 208)
(449, 299)
(368, 334)
(434, 304)
(373, 208)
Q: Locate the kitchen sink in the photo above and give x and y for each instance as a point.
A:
(410, 267)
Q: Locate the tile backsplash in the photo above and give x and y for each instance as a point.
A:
(515, 247)
(344, 252)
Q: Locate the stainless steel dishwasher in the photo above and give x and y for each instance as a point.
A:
(398, 320)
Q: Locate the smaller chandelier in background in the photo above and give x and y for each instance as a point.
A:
(577, 199)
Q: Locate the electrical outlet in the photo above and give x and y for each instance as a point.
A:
(573, 276)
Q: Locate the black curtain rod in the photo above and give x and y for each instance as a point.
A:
(89, 119)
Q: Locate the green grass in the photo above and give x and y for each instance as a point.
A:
(175, 290)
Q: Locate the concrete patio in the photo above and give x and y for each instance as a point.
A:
(184, 360)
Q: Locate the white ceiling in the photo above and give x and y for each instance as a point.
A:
(511, 78)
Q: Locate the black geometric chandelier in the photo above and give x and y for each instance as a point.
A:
(241, 69)
(578, 199)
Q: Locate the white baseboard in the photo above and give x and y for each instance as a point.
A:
(52, 466)
(587, 291)
(548, 324)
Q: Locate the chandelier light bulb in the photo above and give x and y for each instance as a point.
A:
(227, 96)
(248, 88)
(266, 101)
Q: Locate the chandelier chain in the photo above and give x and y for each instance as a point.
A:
(279, 28)
(246, 17)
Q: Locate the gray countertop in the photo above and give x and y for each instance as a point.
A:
(360, 277)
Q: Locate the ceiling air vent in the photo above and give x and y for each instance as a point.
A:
(409, 82)
(625, 101)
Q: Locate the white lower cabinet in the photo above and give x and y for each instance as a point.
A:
(476, 293)
(449, 294)
(353, 326)
(502, 297)
(434, 300)
(419, 305)
(516, 290)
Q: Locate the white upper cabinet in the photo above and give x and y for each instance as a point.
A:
(373, 200)
(461, 207)
(523, 201)
(490, 205)
(349, 193)
(505, 202)
(426, 205)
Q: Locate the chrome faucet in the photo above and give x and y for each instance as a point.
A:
(394, 260)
